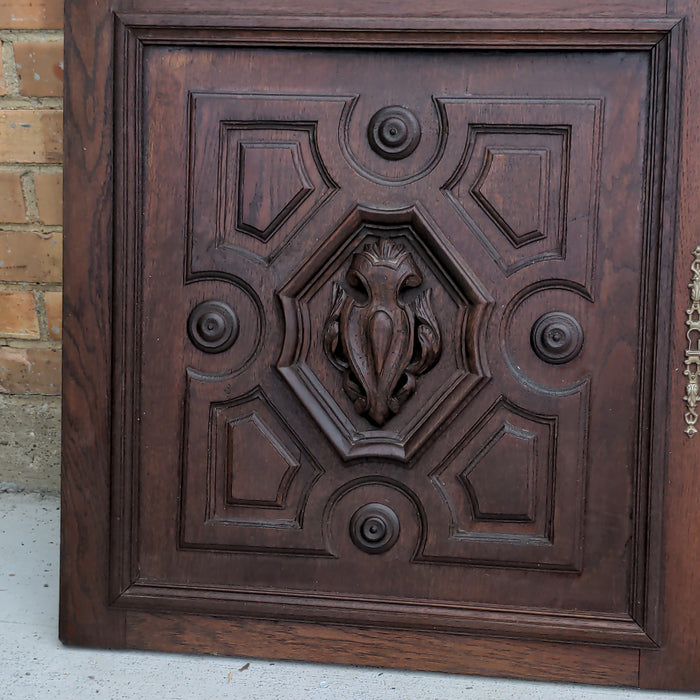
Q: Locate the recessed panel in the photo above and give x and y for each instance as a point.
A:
(382, 441)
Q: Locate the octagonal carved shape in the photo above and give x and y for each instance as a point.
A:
(436, 371)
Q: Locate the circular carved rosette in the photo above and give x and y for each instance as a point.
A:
(394, 132)
(212, 326)
(374, 528)
(557, 337)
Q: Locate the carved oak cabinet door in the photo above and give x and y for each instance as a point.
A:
(390, 347)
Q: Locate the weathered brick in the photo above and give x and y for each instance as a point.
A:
(49, 197)
(31, 136)
(31, 14)
(39, 68)
(27, 256)
(30, 371)
(11, 199)
(53, 303)
(18, 317)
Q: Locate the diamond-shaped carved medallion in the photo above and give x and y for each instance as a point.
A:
(382, 328)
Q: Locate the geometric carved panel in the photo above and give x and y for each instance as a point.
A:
(515, 482)
(527, 183)
(259, 469)
(512, 493)
(511, 188)
(500, 480)
(248, 485)
(256, 174)
(272, 182)
(254, 463)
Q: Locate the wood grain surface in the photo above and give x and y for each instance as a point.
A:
(367, 350)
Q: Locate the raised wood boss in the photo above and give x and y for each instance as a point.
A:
(375, 334)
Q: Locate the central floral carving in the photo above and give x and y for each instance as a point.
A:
(381, 342)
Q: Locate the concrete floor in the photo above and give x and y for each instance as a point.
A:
(34, 664)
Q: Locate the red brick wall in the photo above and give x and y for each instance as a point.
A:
(31, 86)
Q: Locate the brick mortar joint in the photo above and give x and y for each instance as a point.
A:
(31, 206)
(21, 168)
(21, 35)
(30, 227)
(40, 308)
(9, 67)
(30, 286)
(15, 102)
(25, 344)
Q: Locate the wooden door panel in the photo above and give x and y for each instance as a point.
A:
(388, 325)
(483, 245)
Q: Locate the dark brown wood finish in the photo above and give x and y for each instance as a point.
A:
(368, 340)
(676, 664)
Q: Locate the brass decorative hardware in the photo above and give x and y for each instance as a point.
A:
(692, 354)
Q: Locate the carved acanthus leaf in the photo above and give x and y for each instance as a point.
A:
(331, 332)
(427, 334)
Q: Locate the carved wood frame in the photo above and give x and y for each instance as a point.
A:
(118, 305)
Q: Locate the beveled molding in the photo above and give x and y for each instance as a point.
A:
(391, 31)
(662, 37)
